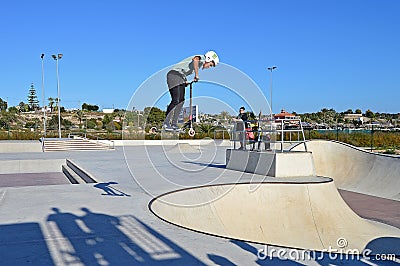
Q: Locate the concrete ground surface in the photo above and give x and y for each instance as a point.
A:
(109, 223)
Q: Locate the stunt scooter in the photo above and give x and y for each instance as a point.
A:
(190, 122)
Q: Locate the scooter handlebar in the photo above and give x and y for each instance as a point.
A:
(190, 83)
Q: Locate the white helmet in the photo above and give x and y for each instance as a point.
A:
(212, 56)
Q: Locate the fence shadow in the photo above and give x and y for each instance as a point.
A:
(22, 244)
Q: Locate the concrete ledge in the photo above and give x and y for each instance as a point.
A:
(83, 174)
(279, 164)
(7, 146)
(31, 166)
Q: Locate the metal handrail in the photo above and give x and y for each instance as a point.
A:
(276, 127)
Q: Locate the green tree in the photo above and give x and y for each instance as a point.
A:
(370, 114)
(3, 105)
(91, 123)
(57, 101)
(224, 116)
(358, 111)
(154, 116)
(110, 126)
(79, 115)
(23, 107)
(106, 120)
(89, 107)
(7, 119)
(13, 109)
(51, 103)
(206, 128)
(66, 123)
(32, 98)
(349, 111)
(32, 124)
(52, 123)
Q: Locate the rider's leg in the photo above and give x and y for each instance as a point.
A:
(178, 107)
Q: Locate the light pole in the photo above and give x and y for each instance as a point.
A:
(270, 87)
(270, 91)
(43, 99)
(58, 57)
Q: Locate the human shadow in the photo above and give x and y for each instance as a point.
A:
(102, 239)
(109, 190)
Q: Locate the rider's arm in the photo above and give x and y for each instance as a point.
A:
(196, 60)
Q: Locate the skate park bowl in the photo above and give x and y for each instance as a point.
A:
(297, 212)
(306, 213)
(356, 169)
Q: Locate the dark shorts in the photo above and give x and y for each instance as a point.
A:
(174, 78)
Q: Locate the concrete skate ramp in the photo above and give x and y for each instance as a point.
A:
(355, 169)
(309, 215)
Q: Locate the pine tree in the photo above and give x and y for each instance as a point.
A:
(32, 99)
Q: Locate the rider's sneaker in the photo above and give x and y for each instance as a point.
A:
(167, 128)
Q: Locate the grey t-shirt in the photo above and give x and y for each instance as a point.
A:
(186, 68)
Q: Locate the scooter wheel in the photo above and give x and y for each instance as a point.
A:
(191, 132)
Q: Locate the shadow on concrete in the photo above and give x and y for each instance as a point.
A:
(89, 239)
(109, 190)
(218, 260)
(221, 166)
(22, 244)
(385, 245)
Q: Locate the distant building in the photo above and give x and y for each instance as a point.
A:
(285, 115)
(108, 111)
(355, 117)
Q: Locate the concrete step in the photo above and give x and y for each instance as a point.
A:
(83, 174)
(73, 144)
(73, 177)
(75, 174)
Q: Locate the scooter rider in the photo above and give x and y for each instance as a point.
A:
(177, 81)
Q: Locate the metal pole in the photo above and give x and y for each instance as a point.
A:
(270, 88)
(270, 91)
(43, 99)
(58, 57)
(337, 130)
(372, 137)
(58, 100)
(270, 94)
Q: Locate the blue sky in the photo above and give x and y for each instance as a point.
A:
(337, 54)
